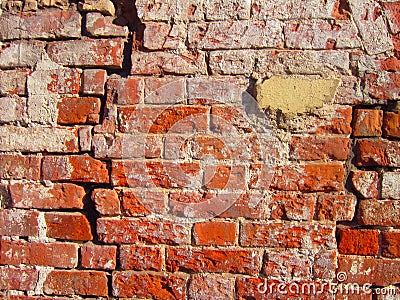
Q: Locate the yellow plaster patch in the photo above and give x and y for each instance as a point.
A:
(295, 94)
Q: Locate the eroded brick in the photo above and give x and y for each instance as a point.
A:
(98, 256)
(141, 258)
(82, 110)
(68, 226)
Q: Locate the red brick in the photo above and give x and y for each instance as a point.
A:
(319, 148)
(19, 167)
(106, 202)
(99, 257)
(161, 62)
(155, 174)
(377, 153)
(36, 195)
(124, 91)
(152, 231)
(211, 286)
(393, 11)
(291, 206)
(339, 123)
(141, 258)
(247, 205)
(365, 183)
(21, 53)
(310, 178)
(75, 168)
(215, 233)
(367, 122)
(224, 35)
(287, 263)
(68, 282)
(225, 118)
(288, 235)
(60, 255)
(386, 86)
(19, 222)
(61, 81)
(43, 24)
(85, 138)
(82, 110)
(158, 36)
(335, 207)
(177, 119)
(93, 81)
(88, 52)
(390, 64)
(166, 90)
(13, 82)
(68, 226)
(391, 124)
(379, 213)
(213, 260)
(143, 285)
(325, 262)
(391, 244)
(224, 177)
(358, 241)
(21, 278)
(132, 205)
(98, 25)
(375, 271)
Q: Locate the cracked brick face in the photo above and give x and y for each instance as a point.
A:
(198, 149)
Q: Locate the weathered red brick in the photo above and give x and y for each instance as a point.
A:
(68, 226)
(21, 53)
(367, 122)
(310, 178)
(124, 91)
(13, 108)
(75, 168)
(155, 63)
(93, 81)
(287, 234)
(19, 222)
(390, 64)
(215, 233)
(158, 36)
(106, 201)
(358, 241)
(63, 81)
(178, 119)
(225, 177)
(391, 124)
(88, 52)
(214, 260)
(385, 86)
(390, 185)
(224, 34)
(68, 282)
(98, 25)
(291, 206)
(60, 255)
(19, 167)
(165, 174)
(78, 110)
(287, 263)
(379, 213)
(166, 90)
(377, 153)
(141, 258)
(215, 286)
(98, 256)
(391, 244)
(335, 207)
(13, 82)
(36, 195)
(133, 205)
(393, 10)
(153, 231)
(43, 24)
(146, 285)
(365, 183)
(319, 148)
(85, 138)
(18, 278)
(226, 118)
(375, 271)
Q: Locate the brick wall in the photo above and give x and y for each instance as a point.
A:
(197, 149)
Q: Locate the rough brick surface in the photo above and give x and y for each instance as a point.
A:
(198, 149)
